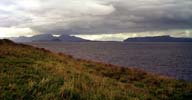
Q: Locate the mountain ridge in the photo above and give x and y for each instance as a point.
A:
(48, 38)
(165, 38)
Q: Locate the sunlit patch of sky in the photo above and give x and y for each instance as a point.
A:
(11, 31)
(123, 36)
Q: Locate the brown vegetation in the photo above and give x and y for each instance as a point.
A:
(30, 73)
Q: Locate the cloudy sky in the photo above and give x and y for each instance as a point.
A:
(96, 19)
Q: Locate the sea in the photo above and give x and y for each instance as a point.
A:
(165, 58)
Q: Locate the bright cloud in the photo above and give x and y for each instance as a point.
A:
(11, 31)
(95, 16)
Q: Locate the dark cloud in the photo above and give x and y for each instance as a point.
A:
(97, 16)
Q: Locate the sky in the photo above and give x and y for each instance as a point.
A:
(96, 19)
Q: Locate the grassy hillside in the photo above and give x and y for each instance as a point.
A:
(28, 73)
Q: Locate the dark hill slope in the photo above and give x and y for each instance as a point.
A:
(29, 73)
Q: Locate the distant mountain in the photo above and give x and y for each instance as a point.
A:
(48, 37)
(43, 37)
(165, 38)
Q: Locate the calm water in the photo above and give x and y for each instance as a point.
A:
(173, 59)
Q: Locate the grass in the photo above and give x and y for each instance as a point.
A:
(29, 73)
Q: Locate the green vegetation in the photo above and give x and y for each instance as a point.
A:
(29, 73)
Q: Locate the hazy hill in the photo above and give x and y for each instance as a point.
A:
(20, 39)
(29, 73)
(48, 37)
(158, 39)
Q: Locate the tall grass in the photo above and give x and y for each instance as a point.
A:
(28, 73)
